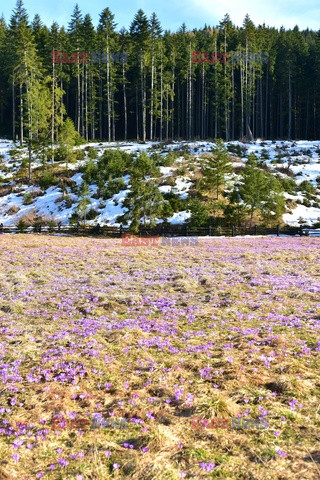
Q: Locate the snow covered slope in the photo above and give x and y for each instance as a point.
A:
(298, 160)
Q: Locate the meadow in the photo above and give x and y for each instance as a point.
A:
(159, 336)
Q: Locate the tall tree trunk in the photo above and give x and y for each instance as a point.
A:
(216, 98)
(261, 107)
(167, 114)
(78, 97)
(178, 110)
(61, 101)
(247, 96)
(100, 101)
(52, 111)
(161, 100)
(86, 102)
(143, 98)
(233, 98)
(242, 108)
(113, 119)
(307, 117)
(226, 100)
(13, 110)
(21, 113)
(266, 110)
(252, 86)
(190, 97)
(124, 102)
(82, 104)
(202, 110)
(151, 99)
(29, 126)
(108, 96)
(92, 108)
(290, 102)
(173, 100)
(137, 114)
(270, 113)
(281, 116)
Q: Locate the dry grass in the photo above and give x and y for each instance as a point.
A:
(159, 336)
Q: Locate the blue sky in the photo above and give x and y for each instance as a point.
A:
(172, 13)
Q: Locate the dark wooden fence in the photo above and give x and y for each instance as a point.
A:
(162, 230)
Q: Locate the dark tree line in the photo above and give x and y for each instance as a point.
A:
(159, 93)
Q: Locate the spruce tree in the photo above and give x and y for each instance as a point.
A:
(84, 202)
(274, 204)
(4, 77)
(67, 137)
(261, 192)
(215, 168)
(144, 202)
(76, 44)
(107, 70)
(140, 33)
(253, 188)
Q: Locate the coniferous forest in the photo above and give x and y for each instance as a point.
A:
(159, 93)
